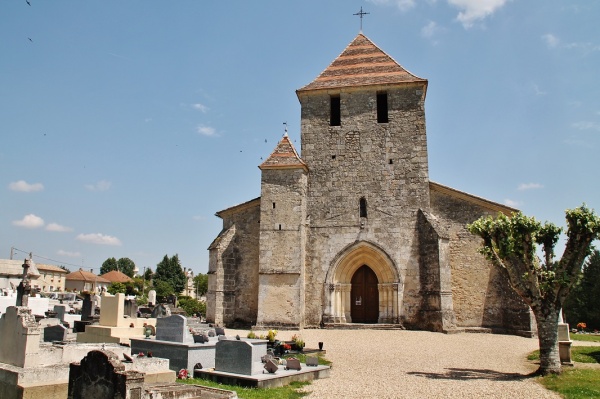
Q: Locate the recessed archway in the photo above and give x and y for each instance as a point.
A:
(338, 284)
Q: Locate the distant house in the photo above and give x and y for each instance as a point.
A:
(11, 274)
(82, 280)
(51, 279)
(115, 276)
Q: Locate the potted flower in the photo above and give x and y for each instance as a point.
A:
(298, 342)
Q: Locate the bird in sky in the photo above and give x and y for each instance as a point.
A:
(30, 39)
(27, 1)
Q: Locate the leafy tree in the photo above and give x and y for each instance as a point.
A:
(201, 284)
(108, 265)
(116, 288)
(170, 271)
(126, 266)
(163, 290)
(582, 303)
(65, 268)
(148, 274)
(510, 244)
(191, 305)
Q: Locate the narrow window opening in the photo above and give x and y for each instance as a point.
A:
(273, 205)
(363, 207)
(279, 227)
(333, 157)
(382, 108)
(335, 115)
(391, 161)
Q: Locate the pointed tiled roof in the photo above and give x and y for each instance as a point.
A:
(362, 63)
(284, 156)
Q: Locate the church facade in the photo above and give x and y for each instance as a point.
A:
(353, 230)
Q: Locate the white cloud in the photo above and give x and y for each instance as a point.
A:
(537, 90)
(206, 130)
(430, 30)
(403, 5)
(29, 222)
(69, 254)
(58, 228)
(511, 203)
(25, 187)
(102, 185)
(585, 125)
(100, 239)
(475, 10)
(200, 107)
(529, 186)
(551, 40)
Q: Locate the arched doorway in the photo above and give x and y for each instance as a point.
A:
(364, 296)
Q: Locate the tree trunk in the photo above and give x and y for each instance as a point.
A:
(547, 326)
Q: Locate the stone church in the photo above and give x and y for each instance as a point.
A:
(352, 230)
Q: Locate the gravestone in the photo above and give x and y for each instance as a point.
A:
(111, 313)
(270, 366)
(20, 334)
(160, 310)
(87, 308)
(60, 311)
(130, 308)
(211, 333)
(219, 331)
(293, 364)
(238, 357)
(312, 361)
(173, 329)
(101, 374)
(55, 333)
(151, 298)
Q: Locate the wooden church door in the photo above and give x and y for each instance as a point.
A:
(364, 296)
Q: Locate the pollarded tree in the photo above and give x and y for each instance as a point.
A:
(510, 244)
(170, 271)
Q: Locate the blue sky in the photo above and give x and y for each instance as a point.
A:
(125, 125)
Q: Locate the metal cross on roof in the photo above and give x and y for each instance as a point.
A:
(361, 13)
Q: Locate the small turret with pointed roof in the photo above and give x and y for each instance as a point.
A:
(284, 156)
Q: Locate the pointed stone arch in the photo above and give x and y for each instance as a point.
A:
(338, 283)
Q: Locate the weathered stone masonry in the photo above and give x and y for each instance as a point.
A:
(354, 230)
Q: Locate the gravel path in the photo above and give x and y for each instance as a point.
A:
(419, 364)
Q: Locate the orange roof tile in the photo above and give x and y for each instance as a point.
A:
(362, 63)
(82, 275)
(284, 156)
(115, 276)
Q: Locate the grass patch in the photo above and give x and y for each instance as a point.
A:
(291, 391)
(580, 354)
(575, 383)
(585, 337)
(302, 358)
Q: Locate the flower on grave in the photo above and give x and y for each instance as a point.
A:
(581, 326)
(298, 341)
(271, 334)
(287, 347)
(183, 374)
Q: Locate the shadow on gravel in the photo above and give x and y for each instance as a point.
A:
(472, 374)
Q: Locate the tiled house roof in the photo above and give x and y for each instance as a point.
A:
(284, 156)
(51, 268)
(362, 63)
(82, 275)
(115, 276)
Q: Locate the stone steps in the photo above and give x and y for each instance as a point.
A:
(363, 326)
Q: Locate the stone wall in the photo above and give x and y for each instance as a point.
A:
(233, 267)
(282, 246)
(481, 296)
(384, 163)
